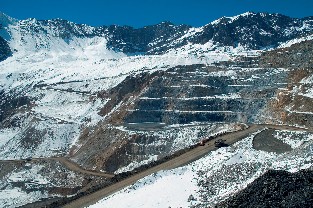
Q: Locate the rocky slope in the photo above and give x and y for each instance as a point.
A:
(25, 182)
(112, 98)
(292, 103)
(62, 88)
(298, 55)
(5, 50)
(276, 189)
(165, 102)
(223, 172)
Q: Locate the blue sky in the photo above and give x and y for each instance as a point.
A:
(138, 13)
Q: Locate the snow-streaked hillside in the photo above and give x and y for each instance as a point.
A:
(112, 98)
(62, 81)
(58, 67)
(60, 78)
(28, 182)
(215, 177)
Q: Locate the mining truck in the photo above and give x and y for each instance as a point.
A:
(220, 143)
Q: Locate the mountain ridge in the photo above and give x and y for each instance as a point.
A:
(251, 30)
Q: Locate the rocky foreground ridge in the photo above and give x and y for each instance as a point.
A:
(276, 189)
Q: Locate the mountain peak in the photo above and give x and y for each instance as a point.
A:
(161, 24)
(249, 13)
(165, 23)
(226, 19)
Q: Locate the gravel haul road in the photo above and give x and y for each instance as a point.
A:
(178, 161)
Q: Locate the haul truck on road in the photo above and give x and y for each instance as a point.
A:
(220, 143)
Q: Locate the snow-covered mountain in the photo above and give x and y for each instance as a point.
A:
(250, 30)
(112, 98)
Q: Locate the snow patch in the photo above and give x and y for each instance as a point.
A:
(294, 41)
(135, 164)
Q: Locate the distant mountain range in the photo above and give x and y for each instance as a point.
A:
(251, 30)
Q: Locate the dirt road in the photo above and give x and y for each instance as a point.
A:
(66, 162)
(75, 167)
(181, 160)
(175, 162)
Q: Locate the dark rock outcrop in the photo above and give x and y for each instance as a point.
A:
(254, 30)
(9, 104)
(187, 94)
(5, 50)
(276, 189)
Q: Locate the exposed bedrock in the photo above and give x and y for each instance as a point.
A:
(143, 105)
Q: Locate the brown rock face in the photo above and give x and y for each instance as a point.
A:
(298, 56)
